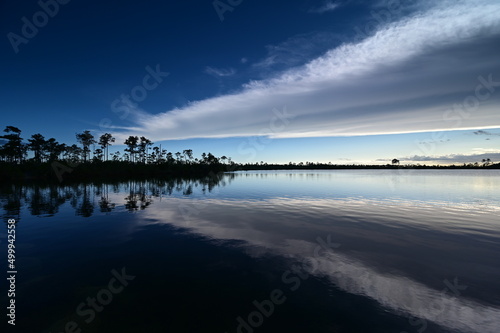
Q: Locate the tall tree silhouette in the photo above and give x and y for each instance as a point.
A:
(143, 147)
(188, 154)
(54, 149)
(37, 145)
(85, 139)
(132, 143)
(105, 141)
(14, 149)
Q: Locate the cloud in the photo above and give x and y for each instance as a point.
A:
(477, 155)
(407, 77)
(297, 50)
(481, 132)
(486, 150)
(426, 142)
(244, 60)
(219, 72)
(328, 6)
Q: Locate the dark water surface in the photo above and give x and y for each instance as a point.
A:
(281, 251)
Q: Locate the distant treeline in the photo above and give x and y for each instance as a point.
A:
(54, 161)
(328, 166)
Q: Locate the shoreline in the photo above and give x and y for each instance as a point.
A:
(63, 172)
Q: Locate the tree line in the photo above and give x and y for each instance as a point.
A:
(139, 150)
(50, 160)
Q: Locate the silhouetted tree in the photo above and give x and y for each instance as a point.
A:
(105, 141)
(53, 149)
(170, 158)
(188, 154)
(37, 145)
(155, 155)
(98, 155)
(132, 143)
(116, 156)
(85, 139)
(486, 161)
(211, 159)
(73, 153)
(143, 147)
(13, 150)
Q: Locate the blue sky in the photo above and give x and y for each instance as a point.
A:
(341, 81)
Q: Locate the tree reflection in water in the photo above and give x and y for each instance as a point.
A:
(45, 200)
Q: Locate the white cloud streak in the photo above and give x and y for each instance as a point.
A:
(218, 72)
(297, 50)
(328, 6)
(403, 79)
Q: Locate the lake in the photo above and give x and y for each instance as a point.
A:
(264, 251)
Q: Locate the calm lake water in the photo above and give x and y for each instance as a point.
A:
(275, 251)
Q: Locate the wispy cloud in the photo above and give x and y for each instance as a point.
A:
(297, 50)
(402, 79)
(477, 155)
(481, 132)
(426, 142)
(328, 6)
(219, 72)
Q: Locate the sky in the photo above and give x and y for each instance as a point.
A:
(345, 82)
